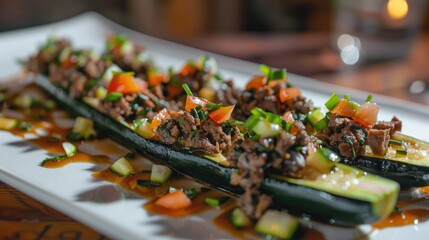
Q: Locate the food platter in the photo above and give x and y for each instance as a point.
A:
(118, 213)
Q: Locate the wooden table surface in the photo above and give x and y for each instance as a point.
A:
(22, 217)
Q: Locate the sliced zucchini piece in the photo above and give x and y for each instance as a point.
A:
(277, 224)
(8, 123)
(265, 129)
(160, 174)
(84, 127)
(122, 167)
(239, 219)
(144, 128)
(323, 159)
(69, 148)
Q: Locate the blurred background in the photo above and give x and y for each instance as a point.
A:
(380, 46)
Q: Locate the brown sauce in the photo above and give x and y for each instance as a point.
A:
(403, 218)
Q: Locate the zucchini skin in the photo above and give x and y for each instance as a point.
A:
(300, 200)
(406, 174)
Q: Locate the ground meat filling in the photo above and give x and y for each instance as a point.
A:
(185, 131)
(345, 135)
(265, 98)
(258, 158)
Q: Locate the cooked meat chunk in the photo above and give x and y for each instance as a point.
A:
(393, 125)
(378, 140)
(345, 135)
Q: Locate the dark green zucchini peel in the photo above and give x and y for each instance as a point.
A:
(369, 198)
(407, 163)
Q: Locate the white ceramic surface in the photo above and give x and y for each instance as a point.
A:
(73, 191)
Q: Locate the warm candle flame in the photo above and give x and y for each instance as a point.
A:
(397, 9)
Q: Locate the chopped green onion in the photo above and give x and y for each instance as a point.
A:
(213, 202)
(332, 101)
(113, 97)
(187, 89)
(252, 121)
(369, 98)
(347, 97)
(214, 106)
(266, 70)
(321, 124)
(278, 75)
(395, 142)
(401, 152)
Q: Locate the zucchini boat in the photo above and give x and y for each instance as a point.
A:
(355, 198)
(410, 167)
(383, 150)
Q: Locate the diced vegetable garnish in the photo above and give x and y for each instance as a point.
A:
(122, 167)
(144, 128)
(367, 114)
(318, 119)
(108, 74)
(214, 202)
(345, 108)
(277, 224)
(395, 142)
(192, 102)
(83, 128)
(174, 200)
(265, 129)
(222, 114)
(23, 101)
(69, 148)
(256, 82)
(239, 219)
(322, 160)
(218, 158)
(8, 123)
(160, 173)
(332, 101)
(49, 105)
(100, 92)
(401, 152)
(113, 97)
(125, 83)
(289, 93)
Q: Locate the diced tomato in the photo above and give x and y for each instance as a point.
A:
(222, 114)
(187, 70)
(367, 114)
(256, 82)
(126, 83)
(156, 121)
(193, 102)
(289, 93)
(69, 62)
(156, 78)
(345, 109)
(174, 200)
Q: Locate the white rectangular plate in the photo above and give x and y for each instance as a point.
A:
(122, 217)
